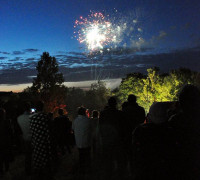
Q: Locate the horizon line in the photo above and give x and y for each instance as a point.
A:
(110, 83)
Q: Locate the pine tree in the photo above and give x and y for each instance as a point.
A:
(48, 75)
(49, 82)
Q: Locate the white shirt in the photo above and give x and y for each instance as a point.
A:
(24, 123)
(82, 130)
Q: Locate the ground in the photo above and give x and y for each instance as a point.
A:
(67, 169)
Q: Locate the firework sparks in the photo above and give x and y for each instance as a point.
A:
(100, 32)
(96, 31)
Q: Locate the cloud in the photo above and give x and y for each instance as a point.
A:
(18, 52)
(115, 63)
(62, 52)
(6, 53)
(120, 51)
(77, 53)
(141, 43)
(2, 58)
(30, 50)
(16, 76)
(156, 39)
(16, 59)
(138, 43)
(162, 34)
(61, 56)
(30, 59)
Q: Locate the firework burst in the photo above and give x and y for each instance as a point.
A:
(96, 31)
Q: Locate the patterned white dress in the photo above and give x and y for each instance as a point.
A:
(40, 139)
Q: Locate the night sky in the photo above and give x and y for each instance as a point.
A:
(163, 33)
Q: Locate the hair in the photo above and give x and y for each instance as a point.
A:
(82, 111)
(132, 98)
(50, 115)
(27, 107)
(124, 105)
(112, 101)
(158, 112)
(60, 111)
(39, 106)
(189, 97)
(95, 114)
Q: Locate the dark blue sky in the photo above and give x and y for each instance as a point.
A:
(30, 27)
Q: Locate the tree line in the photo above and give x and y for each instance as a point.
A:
(154, 86)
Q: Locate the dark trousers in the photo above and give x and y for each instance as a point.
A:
(112, 161)
(28, 156)
(4, 164)
(84, 159)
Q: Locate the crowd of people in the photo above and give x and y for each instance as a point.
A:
(164, 144)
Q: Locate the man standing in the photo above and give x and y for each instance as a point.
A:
(62, 128)
(134, 113)
(24, 123)
(82, 130)
(112, 127)
(134, 116)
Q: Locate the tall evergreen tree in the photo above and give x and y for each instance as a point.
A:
(49, 82)
(48, 75)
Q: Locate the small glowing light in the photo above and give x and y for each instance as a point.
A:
(135, 21)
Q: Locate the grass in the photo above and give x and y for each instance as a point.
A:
(65, 169)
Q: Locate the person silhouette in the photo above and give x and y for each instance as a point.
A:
(24, 123)
(82, 130)
(186, 125)
(153, 143)
(41, 142)
(5, 143)
(111, 127)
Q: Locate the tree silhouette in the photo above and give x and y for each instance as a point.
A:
(49, 82)
(48, 75)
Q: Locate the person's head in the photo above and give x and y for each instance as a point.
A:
(124, 105)
(2, 114)
(189, 98)
(39, 106)
(50, 115)
(112, 102)
(132, 98)
(95, 114)
(60, 112)
(82, 111)
(26, 107)
(158, 113)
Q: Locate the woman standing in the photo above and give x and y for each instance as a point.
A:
(5, 143)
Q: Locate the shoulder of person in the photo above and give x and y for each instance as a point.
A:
(33, 115)
(19, 117)
(176, 118)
